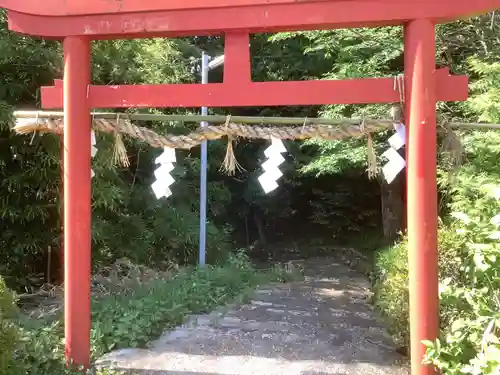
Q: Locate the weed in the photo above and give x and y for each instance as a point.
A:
(133, 318)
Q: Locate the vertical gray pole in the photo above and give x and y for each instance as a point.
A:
(203, 173)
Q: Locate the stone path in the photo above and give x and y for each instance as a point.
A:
(320, 326)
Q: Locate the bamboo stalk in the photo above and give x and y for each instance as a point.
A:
(474, 125)
(220, 119)
(213, 119)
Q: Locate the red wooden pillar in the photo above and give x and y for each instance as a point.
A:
(422, 189)
(77, 200)
(61, 209)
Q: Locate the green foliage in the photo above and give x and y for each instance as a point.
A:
(471, 342)
(378, 52)
(8, 329)
(127, 219)
(391, 294)
(134, 318)
(470, 339)
(339, 157)
(344, 54)
(487, 93)
(152, 61)
(342, 206)
(469, 189)
(28, 166)
(469, 267)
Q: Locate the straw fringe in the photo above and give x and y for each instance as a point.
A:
(120, 152)
(452, 151)
(372, 158)
(370, 151)
(230, 165)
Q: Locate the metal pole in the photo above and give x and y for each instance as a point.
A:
(203, 173)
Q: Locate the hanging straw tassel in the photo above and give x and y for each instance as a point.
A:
(370, 150)
(372, 158)
(120, 152)
(230, 164)
(453, 150)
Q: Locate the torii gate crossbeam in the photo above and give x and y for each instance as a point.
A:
(77, 23)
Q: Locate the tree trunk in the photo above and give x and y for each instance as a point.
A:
(260, 228)
(392, 207)
(393, 197)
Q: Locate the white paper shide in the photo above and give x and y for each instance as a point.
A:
(396, 163)
(271, 171)
(93, 150)
(161, 187)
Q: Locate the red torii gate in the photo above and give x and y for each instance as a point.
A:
(78, 22)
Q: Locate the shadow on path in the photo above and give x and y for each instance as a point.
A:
(321, 326)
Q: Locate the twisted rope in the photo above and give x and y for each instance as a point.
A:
(210, 132)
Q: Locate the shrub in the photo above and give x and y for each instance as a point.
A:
(470, 343)
(469, 261)
(391, 293)
(133, 318)
(8, 331)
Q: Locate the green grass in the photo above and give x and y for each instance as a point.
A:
(390, 289)
(134, 318)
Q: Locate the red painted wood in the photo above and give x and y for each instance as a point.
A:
(408, 71)
(369, 90)
(422, 192)
(237, 63)
(77, 208)
(61, 209)
(262, 18)
(79, 7)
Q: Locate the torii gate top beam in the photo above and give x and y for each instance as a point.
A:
(105, 19)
